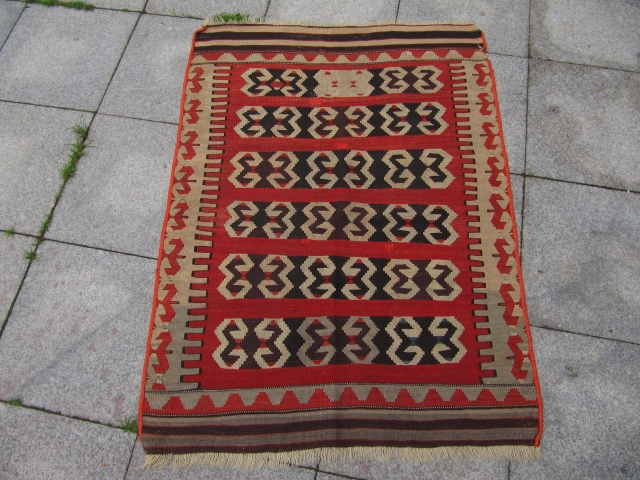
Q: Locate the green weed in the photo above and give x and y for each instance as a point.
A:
(78, 5)
(129, 424)
(16, 402)
(225, 17)
(10, 232)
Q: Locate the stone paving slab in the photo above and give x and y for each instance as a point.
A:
(118, 196)
(604, 33)
(75, 342)
(136, 472)
(206, 8)
(591, 395)
(505, 22)
(34, 144)
(36, 445)
(511, 80)
(14, 265)
(583, 124)
(469, 469)
(127, 5)
(148, 82)
(517, 188)
(580, 259)
(333, 12)
(9, 13)
(63, 57)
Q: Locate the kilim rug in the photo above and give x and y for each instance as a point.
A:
(338, 274)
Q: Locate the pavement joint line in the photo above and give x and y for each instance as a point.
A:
(59, 414)
(137, 118)
(340, 475)
(544, 327)
(509, 470)
(91, 247)
(15, 299)
(46, 106)
(526, 137)
(264, 17)
(600, 67)
(584, 184)
(12, 27)
(398, 11)
(133, 448)
(124, 50)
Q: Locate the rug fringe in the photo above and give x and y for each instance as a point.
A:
(350, 454)
(212, 21)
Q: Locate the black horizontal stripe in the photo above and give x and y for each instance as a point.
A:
(344, 424)
(335, 443)
(297, 48)
(355, 37)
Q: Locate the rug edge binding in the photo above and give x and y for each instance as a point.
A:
(349, 454)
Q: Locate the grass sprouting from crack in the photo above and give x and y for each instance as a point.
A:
(129, 424)
(225, 17)
(78, 5)
(10, 232)
(68, 170)
(77, 152)
(16, 402)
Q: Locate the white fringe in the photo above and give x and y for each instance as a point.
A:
(348, 454)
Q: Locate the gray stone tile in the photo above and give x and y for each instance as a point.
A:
(9, 13)
(148, 82)
(63, 57)
(34, 144)
(580, 259)
(136, 471)
(207, 8)
(38, 445)
(517, 186)
(583, 124)
(333, 12)
(127, 5)
(505, 23)
(511, 81)
(593, 32)
(14, 265)
(75, 341)
(591, 395)
(469, 469)
(118, 197)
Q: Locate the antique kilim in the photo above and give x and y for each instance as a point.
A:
(338, 272)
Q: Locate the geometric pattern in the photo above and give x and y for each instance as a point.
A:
(273, 82)
(399, 169)
(264, 343)
(397, 119)
(339, 262)
(358, 222)
(323, 277)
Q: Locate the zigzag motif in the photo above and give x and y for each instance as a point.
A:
(167, 303)
(353, 221)
(189, 145)
(393, 119)
(173, 256)
(296, 397)
(266, 343)
(355, 169)
(518, 357)
(196, 86)
(184, 181)
(253, 276)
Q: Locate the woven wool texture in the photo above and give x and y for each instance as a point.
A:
(338, 265)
